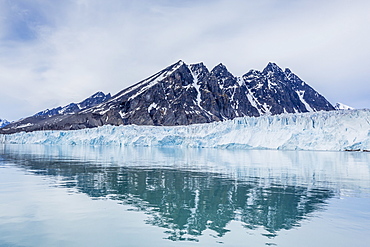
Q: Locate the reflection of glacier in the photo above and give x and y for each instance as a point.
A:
(189, 191)
(334, 130)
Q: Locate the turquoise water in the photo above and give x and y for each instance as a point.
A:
(106, 196)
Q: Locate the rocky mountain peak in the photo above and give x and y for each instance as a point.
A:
(223, 76)
(166, 72)
(71, 108)
(94, 99)
(220, 69)
(177, 64)
(99, 94)
(199, 71)
(272, 67)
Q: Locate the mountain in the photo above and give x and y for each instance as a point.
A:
(3, 123)
(39, 120)
(93, 100)
(184, 94)
(340, 106)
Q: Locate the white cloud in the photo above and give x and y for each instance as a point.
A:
(81, 47)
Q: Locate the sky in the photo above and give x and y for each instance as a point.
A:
(56, 52)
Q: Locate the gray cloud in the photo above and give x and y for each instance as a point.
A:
(65, 51)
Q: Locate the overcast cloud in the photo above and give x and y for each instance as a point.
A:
(56, 52)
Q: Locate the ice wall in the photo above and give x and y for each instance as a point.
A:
(333, 130)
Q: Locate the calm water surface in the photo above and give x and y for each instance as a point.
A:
(111, 196)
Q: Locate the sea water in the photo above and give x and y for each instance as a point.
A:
(146, 196)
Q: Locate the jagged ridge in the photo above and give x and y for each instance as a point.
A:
(93, 100)
(42, 119)
(184, 94)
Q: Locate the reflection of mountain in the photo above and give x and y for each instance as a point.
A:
(185, 202)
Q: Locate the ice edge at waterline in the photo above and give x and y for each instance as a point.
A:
(326, 130)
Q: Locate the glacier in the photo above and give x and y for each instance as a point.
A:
(325, 130)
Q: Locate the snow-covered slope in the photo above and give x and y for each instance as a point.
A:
(333, 130)
(71, 108)
(3, 122)
(341, 106)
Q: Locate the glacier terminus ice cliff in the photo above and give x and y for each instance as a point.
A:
(343, 130)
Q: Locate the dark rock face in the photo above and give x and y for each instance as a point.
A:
(275, 91)
(187, 94)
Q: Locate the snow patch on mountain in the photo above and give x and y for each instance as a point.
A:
(340, 106)
(196, 85)
(3, 123)
(301, 97)
(332, 130)
(24, 125)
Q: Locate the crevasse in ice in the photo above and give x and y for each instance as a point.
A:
(333, 130)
